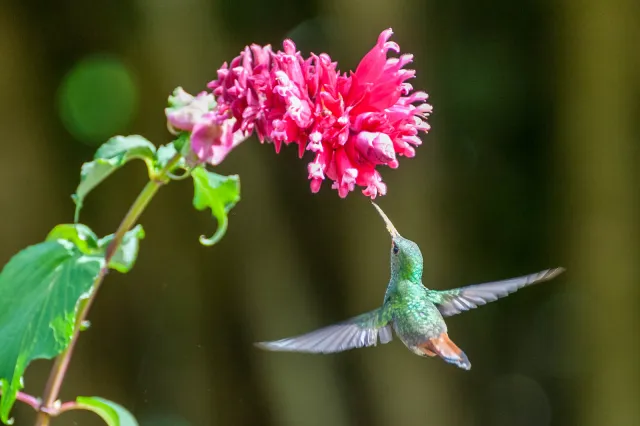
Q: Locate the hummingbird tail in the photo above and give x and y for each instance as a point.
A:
(447, 350)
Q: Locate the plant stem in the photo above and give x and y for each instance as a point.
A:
(68, 406)
(27, 399)
(59, 369)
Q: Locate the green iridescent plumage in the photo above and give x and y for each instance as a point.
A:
(414, 312)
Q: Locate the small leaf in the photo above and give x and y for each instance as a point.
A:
(125, 257)
(112, 155)
(218, 193)
(133, 146)
(40, 289)
(166, 153)
(113, 414)
(182, 140)
(81, 235)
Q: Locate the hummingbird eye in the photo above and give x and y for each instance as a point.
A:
(396, 249)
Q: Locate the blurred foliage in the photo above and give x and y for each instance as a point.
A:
(531, 164)
(97, 98)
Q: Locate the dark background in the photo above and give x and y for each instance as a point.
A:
(531, 163)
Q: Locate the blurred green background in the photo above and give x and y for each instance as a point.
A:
(531, 163)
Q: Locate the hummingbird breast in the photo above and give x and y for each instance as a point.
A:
(418, 319)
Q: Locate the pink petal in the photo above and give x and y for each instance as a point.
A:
(375, 147)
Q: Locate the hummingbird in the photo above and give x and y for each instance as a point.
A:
(415, 312)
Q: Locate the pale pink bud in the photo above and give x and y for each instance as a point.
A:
(375, 147)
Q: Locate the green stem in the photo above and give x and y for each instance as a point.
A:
(61, 364)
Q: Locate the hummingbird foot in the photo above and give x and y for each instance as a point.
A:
(447, 350)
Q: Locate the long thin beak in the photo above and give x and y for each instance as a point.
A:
(392, 229)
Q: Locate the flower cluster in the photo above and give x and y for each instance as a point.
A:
(352, 123)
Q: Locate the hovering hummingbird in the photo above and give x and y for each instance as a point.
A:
(412, 310)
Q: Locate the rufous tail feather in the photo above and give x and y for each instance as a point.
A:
(447, 350)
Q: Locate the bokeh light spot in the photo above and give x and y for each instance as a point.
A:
(98, 98)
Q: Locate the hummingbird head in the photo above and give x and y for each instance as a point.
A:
(406, 257)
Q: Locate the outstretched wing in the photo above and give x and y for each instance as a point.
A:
(452, 302)
(356, 332)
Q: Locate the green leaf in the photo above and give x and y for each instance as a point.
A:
(218, 193)
(182, 141)
(166, 153)
(133, 146)
(112, 155)
(88, 243)
(40, 289)
(81, 235)
(113, 414)
(125, 257)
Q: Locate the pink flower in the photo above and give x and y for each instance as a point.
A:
(211, 138)
(185, 110)
(352, 123)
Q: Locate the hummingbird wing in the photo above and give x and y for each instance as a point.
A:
(452, 302)
(363, 330)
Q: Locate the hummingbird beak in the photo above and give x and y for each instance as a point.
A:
(392, 229)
